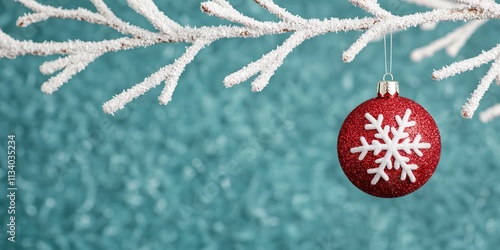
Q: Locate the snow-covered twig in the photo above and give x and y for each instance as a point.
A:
(490, 113)
(278, 11)
(473, 102)
(453, 42)
(436, 4)
(266, 65)
(69, 65)
(170, 74)
(151, 12)
(76, 55)
(168, 32)
(104, 17)
(394, 23)
(372, 7)
(468, 64)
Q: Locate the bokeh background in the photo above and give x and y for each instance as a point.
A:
(225, 168)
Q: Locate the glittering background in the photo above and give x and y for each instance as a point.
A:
(227, 168)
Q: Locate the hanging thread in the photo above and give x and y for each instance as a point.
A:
(388, 68)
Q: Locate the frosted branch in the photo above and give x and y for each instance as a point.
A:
(278, 11)
(12, 48)
(393, 23)
(436, 4)
(70, 69)
(151, 12)
(102, 8)
(169, 73)
(371, 6)
(483, 4)
(490, 113)
(106, 17)
(222, 9)
(50, 67)
(75, 55)
(470, 107)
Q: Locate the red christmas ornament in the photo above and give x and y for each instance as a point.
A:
(389, 146)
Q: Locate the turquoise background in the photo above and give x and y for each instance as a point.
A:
(225, 168)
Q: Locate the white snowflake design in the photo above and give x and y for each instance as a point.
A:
(391, 146)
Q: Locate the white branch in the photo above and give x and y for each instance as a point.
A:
(222, 9)
(266, 65)
(466, 65)
(119, 101)
(436, 4)
(386, 25)
(483, 4)
(13, 48)
(102, 8)
(177, 68)
(372, 6)
(107, 18)
(72, 68)
(151, 12)
(470, 107)
(278, 11)
(169, 73)
(453, 42)
(490, 114)
(50, 67)
(76, 55)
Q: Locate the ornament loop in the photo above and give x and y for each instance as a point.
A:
(388, 74)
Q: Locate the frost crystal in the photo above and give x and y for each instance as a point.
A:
(391, 147)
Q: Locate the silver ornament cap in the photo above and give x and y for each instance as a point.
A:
(388, 89)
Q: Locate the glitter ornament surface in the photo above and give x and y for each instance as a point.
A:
(389, 146)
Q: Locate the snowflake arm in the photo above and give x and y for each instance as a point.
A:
(402, 161)
(376, 124)
(375, 146)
